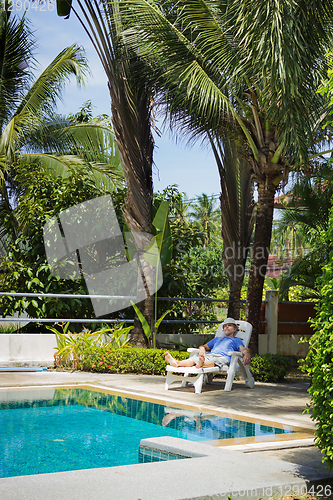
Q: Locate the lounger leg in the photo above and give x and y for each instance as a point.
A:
(168, 380)
(197, 382)
(184, 382)
(247, 375)
(250, 379)
(231, 375)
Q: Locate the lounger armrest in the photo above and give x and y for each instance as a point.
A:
(193, 350)
(237, 354)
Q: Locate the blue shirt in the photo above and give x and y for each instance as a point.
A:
(222, 345)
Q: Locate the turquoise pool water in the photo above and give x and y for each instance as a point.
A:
(71, 429)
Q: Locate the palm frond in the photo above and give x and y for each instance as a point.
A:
(304, 272)
(41, 98)
(193, 78)
(46, 90)
(206, 217)
(207, 53)
(93, 140)
(16, 46)
(105, 177)
(310, 203)
(283, 53)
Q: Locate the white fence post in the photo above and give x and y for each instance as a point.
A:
(271, 317)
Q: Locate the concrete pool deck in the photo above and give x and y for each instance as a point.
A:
(254, 470)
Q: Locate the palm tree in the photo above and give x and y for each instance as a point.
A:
(180, 215)
(288, 240)
(250, 70)
(131, 93)
(206, 216)
(237, 211)
(30, 131)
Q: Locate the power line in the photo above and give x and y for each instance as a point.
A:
(213, 196)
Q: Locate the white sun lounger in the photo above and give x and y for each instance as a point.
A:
(205, 375)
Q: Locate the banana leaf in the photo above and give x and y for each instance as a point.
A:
(163, 232)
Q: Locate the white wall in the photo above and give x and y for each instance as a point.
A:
(27, 349)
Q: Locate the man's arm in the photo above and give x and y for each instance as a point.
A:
(246, 354)
(203, 349)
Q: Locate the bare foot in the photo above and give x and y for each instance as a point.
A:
(201, 361)
(169, 359)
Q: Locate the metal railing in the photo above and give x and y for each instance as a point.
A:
(95, 320)
(117, 320)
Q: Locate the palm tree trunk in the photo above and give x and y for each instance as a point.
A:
(237, 215)
(146, 307)
(135, 144)
(260, 252)
(131, 106)
(234, 300)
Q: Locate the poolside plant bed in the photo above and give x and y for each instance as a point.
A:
(102, 359)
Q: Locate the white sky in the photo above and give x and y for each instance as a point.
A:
(193, 169)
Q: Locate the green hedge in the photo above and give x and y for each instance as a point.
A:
(270, 367)
(126, 360)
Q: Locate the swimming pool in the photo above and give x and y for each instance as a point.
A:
(65, 429)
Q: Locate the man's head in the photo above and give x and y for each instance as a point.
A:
(229, 327)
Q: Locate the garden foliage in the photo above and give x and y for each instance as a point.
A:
(144, 361)
(103, 359)
(319, 361)
(25, 266)
(71, 347)
(195, 270)
(270, 367)
(108, 351)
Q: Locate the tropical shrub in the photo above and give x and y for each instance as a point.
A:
(145, 361)
(103, 359)
(270, 367)
(71, 346)
(319, 361)
(150, 335)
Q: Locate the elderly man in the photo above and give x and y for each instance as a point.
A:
(218, 349)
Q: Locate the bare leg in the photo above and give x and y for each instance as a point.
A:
(205, 364)
(208, 364)
(186, 362)
(173, 362)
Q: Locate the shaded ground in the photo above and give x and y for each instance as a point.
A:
(309, 456)
(296, 375)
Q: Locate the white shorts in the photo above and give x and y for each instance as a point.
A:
(217, 359)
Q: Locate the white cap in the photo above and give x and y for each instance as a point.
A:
(228, 321)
